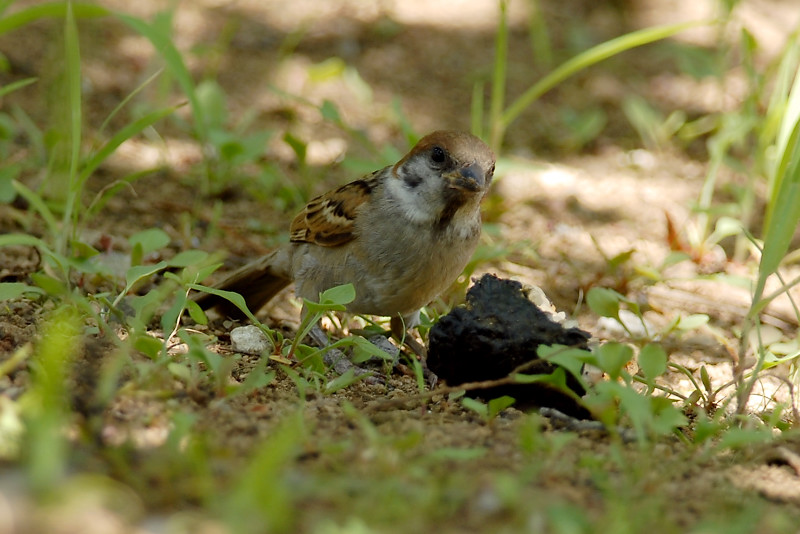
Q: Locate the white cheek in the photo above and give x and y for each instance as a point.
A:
(414, 208)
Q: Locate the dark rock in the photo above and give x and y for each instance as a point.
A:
(497, 330)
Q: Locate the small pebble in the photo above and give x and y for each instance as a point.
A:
(250, 340)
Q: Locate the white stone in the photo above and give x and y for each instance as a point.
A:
(250, 340)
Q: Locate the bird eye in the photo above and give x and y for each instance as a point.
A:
(438, 155)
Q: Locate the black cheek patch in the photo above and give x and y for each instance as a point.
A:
(412, 180)
(454, 202)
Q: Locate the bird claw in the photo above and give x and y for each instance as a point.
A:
(339, 362)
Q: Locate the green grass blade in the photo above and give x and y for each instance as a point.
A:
(787, 137)
(175, 64)
(785, 212)
(496, 126)
(8, 240)
(539, 35)
(127, 99)
(234, 298)
(120, 137)
(49, 10)
(16, 85)
(34, 134)
(39, 205)
(776, 108)
(73, 57)
(588, 58)
(102, 197)
(73, 81)
(47, 415)
(4, 5)
(476, 110)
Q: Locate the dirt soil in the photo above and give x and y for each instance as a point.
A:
(557, 211)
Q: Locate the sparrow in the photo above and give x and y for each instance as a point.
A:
(400, 235)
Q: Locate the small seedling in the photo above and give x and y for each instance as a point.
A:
(490, 410)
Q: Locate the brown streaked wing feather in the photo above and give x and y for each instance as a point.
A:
(329, 220)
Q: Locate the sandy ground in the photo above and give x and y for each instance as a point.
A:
(558, 211)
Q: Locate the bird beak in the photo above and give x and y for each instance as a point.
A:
(470, 178)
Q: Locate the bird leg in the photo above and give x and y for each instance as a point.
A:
(398, 326)
(338, 360)
(399, 330)
(334, 358)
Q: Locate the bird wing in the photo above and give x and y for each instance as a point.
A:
(329, 219)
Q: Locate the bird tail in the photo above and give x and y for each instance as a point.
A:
(257, 281)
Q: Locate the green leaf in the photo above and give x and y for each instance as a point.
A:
(691, 322)
(457, 454)
(557, 378)
(363, 350)
(138, 272)
(705, 428)
(783, 208)
(604, 302)
(45, 410)
(455, 395)
(21, 239)
(476, 406)
(75, 103)
(158, 34)
(736, 438)
(666, 417)
(180, 371)
(7, 176)
(705, 379)
(13, 86)
(48, 10)
(569, 358)
(127, 132)
(634, 406)
(149, 240)
(330, 112)
(234, 298)
(12, 290)
(148, 345)
(300, 148)
(211, 98)
(172, 276)
(344, 380)
(255, 497)
(585, 59)
(39, 205)
(187, 258)
(196, 312)
(144, 307)
(725, 227)
(620, 259)
(171, 317)
(612, 358)
(344, 294)
(652, 361)
(499, 404)
(216, 365)
(331, 68)
(50, 285)
(206, 271)
(82, 250)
